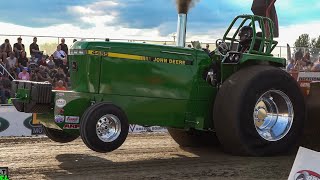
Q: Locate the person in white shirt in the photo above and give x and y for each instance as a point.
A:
(12, 63)
(59, 56)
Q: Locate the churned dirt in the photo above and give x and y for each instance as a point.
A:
(142, 156)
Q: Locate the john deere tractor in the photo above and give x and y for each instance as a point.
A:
(238, 95)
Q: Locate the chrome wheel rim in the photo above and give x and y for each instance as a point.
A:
(108, 128)
(273, 115)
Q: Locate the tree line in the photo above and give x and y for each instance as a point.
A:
(310, 44)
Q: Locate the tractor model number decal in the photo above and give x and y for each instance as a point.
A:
(97, 53)
(140, 58)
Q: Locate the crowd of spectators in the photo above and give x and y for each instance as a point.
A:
(303, 62)
(39, 67)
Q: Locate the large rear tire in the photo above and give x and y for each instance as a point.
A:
(59, 135)
(193, 138)
(104, 127)
(259, 111)
(312, 124)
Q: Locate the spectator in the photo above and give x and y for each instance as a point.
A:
(33, 62)
(24, 75)
(34, 49)
(50, 63)
(65, 68)
(5, 48)
(12, 63)
(207, 50)
(59, 56)
(290, 66)
(299, 55)
(60, 75)
(43, 62)
(60, 86)
(18, 47)
(306, 58)
(299, 65)
(53, 73)
(316, 66)
(42, 75)
(64, 47)
(23, 60)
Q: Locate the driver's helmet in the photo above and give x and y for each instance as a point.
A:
(245, 34)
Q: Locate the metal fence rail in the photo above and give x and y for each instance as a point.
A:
(3, 70)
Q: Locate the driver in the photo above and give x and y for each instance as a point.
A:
(245, 36)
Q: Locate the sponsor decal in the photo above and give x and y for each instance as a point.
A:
(306, 175)
(60, 94)
(71, 126)
(306, 85)
(136, 128)
(72, 119)
(309, 79)
(61, 103)
(4, 173)
(4, 124)
(309, 76)
(61, 111)
(58, 119)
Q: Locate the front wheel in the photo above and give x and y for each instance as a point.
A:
(104, 127)
(59, 135)
(259, 111)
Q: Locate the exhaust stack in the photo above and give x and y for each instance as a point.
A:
(181, 30)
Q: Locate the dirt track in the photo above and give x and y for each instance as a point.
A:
(140, 157)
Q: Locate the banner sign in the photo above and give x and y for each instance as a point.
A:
(14, 123)
(306, 165)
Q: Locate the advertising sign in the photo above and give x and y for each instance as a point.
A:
(306, 165)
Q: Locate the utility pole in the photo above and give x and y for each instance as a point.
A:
(174, 37)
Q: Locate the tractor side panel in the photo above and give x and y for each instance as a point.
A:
(153, 86)
(85, 73)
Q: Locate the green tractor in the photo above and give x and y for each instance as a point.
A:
(237, 95)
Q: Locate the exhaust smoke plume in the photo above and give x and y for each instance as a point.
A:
(185, 5)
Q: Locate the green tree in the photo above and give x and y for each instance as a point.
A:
(48, 48)
(303, 41)
(315, 47)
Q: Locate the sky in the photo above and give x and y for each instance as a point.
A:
(147, 19)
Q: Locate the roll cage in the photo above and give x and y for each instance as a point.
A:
(267, 44)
